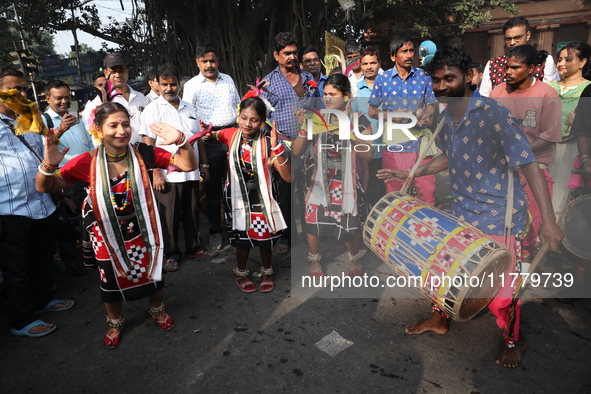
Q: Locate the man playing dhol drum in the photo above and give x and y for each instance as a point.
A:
(481, 143)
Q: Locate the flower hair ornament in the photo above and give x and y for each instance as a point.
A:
(256, 90)
(93, 129)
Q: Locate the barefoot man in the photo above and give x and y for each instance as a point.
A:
(481, 143)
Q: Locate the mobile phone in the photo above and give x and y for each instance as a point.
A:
(73, 109)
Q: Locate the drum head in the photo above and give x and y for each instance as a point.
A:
(478, 294)
(575, 222)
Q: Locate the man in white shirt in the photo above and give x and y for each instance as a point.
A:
(117, 73)
(154, 89)
(516, 32)
(215, 98)
(183, 197)
(76, 138)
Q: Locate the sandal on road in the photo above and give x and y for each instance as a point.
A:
(356, 268)
(282, 247)
(171, 265)
(203, 254)
(25, 331)
(164, 320)
(267, 283)
(246, 284)
(50, 306)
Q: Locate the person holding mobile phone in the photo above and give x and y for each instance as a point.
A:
(73, 135)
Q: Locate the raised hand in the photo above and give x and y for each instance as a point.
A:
(166, 132)
(51, 152)
(274, 137)
(300, 115)
(68, 120)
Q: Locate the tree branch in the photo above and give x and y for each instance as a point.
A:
(97, 33)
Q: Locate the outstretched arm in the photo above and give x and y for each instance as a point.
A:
(432, 167)
(185, 160)
(551, 233)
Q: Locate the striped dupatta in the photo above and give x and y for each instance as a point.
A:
(239, 192)
(144, 204)
(319, 192)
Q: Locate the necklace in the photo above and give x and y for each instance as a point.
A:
(247, 140)
(115, 160)
(115, 156)
(580, 81)
(126, 200)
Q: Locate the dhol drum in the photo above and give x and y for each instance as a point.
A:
(449, 261)
(575, 222)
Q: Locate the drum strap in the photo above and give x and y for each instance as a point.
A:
(509, 213)
(405, 188)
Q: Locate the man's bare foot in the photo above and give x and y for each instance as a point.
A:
(41, 328)
(436, 323)
(511, 357)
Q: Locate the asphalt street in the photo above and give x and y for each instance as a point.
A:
(227, 341)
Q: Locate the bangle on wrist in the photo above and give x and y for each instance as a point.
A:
(584, 158)
(284, 161)
(181, 140)
(278, 150)
(46, 173)
(204, 165)
(49, 166)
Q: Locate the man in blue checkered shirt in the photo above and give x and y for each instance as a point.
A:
(289, 88)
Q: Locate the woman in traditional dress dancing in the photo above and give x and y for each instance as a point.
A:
(253, 215)
(334, 193)
(120, 211)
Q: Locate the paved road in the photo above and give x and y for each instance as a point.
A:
(226, 341)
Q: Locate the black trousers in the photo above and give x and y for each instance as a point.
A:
(376, 189)
(26, 261)
(67, 243)
(181, 203)
(217, 157)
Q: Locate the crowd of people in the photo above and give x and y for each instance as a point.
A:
(133, 164)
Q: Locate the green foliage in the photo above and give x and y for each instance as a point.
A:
(82, 48)
(434, 18)
(168, 31)
(39, 42)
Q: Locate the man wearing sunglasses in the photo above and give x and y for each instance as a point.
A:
(516, 32)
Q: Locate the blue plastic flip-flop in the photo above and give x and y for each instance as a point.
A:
(24, 332)
(48, 307)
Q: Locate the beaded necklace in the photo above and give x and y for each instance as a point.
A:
(115, 156)
(126, 200)
(246, 145)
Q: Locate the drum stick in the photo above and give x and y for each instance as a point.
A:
(534, 264)
(406, 186)
(581, 172)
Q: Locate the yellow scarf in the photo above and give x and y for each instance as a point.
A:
(28, 117)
